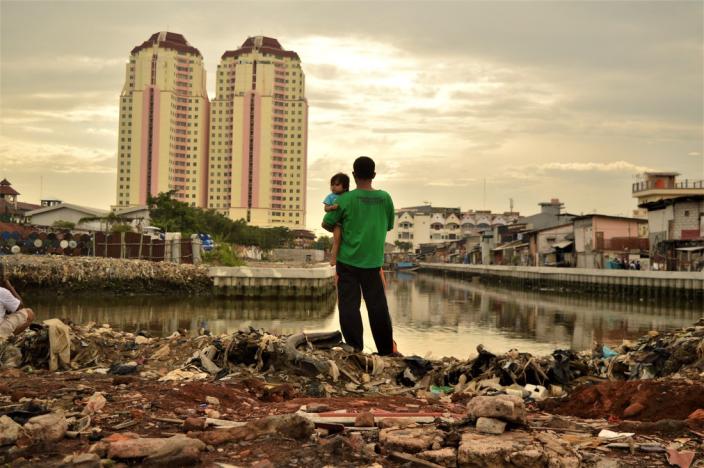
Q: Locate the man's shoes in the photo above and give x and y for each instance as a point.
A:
(394, 351)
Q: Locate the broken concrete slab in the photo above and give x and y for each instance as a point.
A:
(412, 440)
(446, 456)
(490, 426)
(47, 427)
(9, 431)
(178, 449)
(293, 426)
(493, 451)
(509, 408)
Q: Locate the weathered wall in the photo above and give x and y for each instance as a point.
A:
(669, 285)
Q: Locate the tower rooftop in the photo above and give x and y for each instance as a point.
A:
(261, 44)
(167, 40)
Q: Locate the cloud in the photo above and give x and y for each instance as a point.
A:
(29, 128)
(17, 155)
(74, 63)
(615, 166)
(694, 153)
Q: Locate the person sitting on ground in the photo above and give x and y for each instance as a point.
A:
(339, 184)
(14, 316)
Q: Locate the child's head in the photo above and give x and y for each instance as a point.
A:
(340, 183)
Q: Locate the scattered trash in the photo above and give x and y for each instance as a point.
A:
(95, 404)
(492, 409)
(611, 435)
(682, 459)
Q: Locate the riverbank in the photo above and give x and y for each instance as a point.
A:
(671, 286)
(96, 276)
(251, 397)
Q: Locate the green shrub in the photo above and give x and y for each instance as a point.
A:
(61, 224)
(222, 255)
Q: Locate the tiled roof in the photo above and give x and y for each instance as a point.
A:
(6, 189)
(168, 40)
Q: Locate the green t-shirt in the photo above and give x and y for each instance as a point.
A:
(366, 216)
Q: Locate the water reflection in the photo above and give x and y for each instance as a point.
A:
(450, 317)
(163, 315)
(445, 317)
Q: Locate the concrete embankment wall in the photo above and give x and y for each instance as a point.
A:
(648, 285)
(273, 282)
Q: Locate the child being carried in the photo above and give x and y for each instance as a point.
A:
(339, 184)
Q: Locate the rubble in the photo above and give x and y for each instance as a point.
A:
(94, 274)
(252, 398)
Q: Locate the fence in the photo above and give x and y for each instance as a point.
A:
(97, 244)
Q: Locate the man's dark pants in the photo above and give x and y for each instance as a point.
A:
(352, 283)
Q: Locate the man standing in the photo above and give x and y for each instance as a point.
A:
(14, 316)
(366, 215)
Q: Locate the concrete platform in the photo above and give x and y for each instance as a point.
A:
(273, 282)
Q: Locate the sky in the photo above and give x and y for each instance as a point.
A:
(461, 104)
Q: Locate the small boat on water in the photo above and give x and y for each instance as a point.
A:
(406, 266)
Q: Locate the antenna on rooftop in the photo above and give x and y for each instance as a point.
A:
(484, 200)
(510, 200)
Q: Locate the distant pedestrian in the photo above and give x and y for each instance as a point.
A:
(366, 214)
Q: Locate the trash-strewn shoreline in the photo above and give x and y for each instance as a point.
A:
(98, 275)
(255, 398)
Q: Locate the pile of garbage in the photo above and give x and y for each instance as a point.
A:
(307, 398)
(653, 355)
(60, 274)
(322, 365)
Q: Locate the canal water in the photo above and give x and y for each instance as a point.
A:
(432, 316)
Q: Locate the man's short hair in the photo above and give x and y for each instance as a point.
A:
(342, 179)
(364, 168)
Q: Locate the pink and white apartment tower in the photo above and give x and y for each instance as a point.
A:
(258, 136)
(163, 129)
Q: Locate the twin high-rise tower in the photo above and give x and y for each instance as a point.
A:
(243, 154)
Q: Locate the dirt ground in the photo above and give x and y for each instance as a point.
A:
(145, 402)
(672, 399)
(151, 408)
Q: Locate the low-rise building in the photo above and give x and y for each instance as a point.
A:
(550, 215)
(552, 246)
(11, 209)
(598, 237)
(675, 219)
(82, 217)
(427, 224)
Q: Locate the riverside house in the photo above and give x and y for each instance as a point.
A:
(598, 237)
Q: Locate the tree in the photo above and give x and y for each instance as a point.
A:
(403, 246)
(323, 243)
(175, 216)
(110, 220)
(61, 224)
